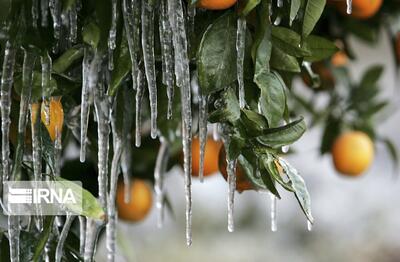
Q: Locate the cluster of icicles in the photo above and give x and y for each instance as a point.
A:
(174, 27)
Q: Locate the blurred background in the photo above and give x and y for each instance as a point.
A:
(356, 219)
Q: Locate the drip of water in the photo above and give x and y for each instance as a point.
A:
(273, 200)
(240, 48)
(309, 226)
(349, 4)
(149, 60)
(159, 171)
(63, 236)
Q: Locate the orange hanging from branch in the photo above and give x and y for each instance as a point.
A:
(361, 9)
(216, 4)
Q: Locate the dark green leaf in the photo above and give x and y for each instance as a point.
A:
(289, 41)
(272, 98)
(282, 61)
(294, 9)
(331, 132)
(285, 135)
(216, 58)
(227, 108)
(67, 59)
(320, 47)
(313, 11)
(371, 76)
(392, 150)
(250, 5)
(254, 123)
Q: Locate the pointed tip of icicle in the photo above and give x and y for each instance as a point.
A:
(231, 228)
(188, 242)
(82, 158)
(309, 226)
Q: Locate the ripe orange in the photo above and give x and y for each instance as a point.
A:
(216, 4)
(140, 203)
(210, 157)
(352, 153)
(54, 122)
(339, 59)
(242, 182)
(361, 9)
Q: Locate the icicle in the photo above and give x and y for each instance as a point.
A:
(57, 152)
(126, 170)
(240, 46)
(63, 236)
(202, 133)
(46, 65)
(215, 133)
(279, 3)
(13, 238)
(55, 11)
(44, 12)
(278, 20)
(231, 169)
(35, 13)
(102, 110)
(149, 60)
(159, 171)
(6, 84)
(309, 225)
(274, 225)
(182, 73)
(85, 101)
(167, 54)
(191, 13)
(349, 6)
(131, 12)
(139, 98)
(82, 234)
(73, 24)
(92, 229)
(36, 156)
(112, 35)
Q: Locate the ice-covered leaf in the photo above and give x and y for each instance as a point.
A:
(67, 59)
(227, 108)
(253, 122)
(122, 67)
(91, 34)
(284, 135)
(216, 58)
(289, 41)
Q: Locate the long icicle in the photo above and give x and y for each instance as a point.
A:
(115, 167)
(231, 167)
(35, 13)
(159, 171)
(149, 60)
(274, 224)
(92, 230)
(73, 23)
(85, 102)
(55, 11)
(167, 54)
(63, 236)
(46, 65)
(130, 13)
(240, 46)
(7, 77)
(139, 98)
(82, 234)
(182, 73)
(202, 132)
(44, 12)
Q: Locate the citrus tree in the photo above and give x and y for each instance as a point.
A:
(137, 84)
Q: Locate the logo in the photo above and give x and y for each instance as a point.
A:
(42, 197)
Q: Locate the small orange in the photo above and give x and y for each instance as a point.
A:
(210, 157)
(53, 122)
(140, 203)
(242, 182)
(352, 153)
(216, 4)
(339, 59)
(361, 9)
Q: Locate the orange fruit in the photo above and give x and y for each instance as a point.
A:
(242, 182)
(216, 4)
(210, 156)
(54, 122)
(339, 59)
(352, 153)
(140, 203)
(361, 9)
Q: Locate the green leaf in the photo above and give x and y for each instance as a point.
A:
(299, 186)
(261, 49)
(289, 41)
(122, 68)
(313, 12)
(250, 5)
(320, 47)
(67, 59)
(216, 58)
(272, 98)
(91, 207)
(294, 9)
(331, 132)
(282, 61)
(227, 108)
(91, 34)
(371, 76)
(285, 135)
(253, 122)
(270, 166)
(391, 148)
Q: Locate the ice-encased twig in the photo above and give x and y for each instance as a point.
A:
(159, 171)
(63, 236)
